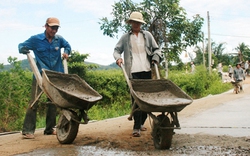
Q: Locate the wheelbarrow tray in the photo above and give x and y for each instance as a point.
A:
(159, 95)
(68, 90)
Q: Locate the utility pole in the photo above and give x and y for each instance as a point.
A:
(209, 44)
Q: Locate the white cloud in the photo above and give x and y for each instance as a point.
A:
(18, 2)
(5, 13)
(98, 8)
(228, 19)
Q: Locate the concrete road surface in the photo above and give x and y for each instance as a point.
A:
(231, 118)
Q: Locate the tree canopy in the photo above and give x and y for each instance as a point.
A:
(166, 20)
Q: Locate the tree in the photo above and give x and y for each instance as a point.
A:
(199, 55)
(76, 64)
(243, 52)
(165, 19)
(217, 54)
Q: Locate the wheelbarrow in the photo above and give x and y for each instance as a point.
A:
(162, 96)
(237, 86)
(69, 93)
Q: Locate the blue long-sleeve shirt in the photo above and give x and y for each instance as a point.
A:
(48, 55)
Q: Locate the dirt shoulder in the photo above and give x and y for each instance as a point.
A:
(116, 132)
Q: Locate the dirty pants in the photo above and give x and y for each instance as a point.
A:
(239, 84)
(140, 116)
(29, 125)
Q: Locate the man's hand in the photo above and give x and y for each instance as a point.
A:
(25, 50)
(154, 62)
(119, 62)
(65, 56)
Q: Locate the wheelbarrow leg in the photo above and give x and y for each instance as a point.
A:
(37, 96)
(130, 118)
(175, 119)
(84, 116)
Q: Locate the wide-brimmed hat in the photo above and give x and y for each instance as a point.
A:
(136, 16)
(52, 21)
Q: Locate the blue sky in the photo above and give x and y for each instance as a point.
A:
(20, 19)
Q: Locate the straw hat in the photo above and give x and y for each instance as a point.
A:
(136, 16)
(52, 21)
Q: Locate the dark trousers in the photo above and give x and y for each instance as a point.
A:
(29, 125)
(140, 116)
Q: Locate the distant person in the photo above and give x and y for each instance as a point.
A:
(246, 67)
(230, 71)
(220, 69)
(192, 67)
(239, 75)
(140, 52)
(47, 50)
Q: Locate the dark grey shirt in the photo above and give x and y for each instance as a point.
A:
(239, 74)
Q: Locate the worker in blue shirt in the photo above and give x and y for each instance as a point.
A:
(47, 50)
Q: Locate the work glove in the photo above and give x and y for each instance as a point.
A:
(25, 50)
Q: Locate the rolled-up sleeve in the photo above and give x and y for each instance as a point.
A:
(154, 48)
(118, 50)
(66, 46)
(28, 44)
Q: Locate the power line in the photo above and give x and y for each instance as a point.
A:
(231, 35)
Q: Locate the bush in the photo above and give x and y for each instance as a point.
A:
(112, 86)
(15, 87)
(14, 96)
(199, 84)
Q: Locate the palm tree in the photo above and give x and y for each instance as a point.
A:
(217, 53)
(243, 52)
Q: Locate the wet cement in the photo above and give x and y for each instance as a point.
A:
(78, 151)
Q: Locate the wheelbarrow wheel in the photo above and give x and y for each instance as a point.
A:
(162, 137)
(67, 130)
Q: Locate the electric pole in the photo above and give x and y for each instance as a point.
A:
(209, 44)
(203, 49)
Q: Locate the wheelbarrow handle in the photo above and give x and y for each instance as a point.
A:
(126, 77)
(35, 70)
(65, 66)
(131, 92)
(157, 71)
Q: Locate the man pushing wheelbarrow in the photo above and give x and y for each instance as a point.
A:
(140, 51)
(238, 76)
(47, 50)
